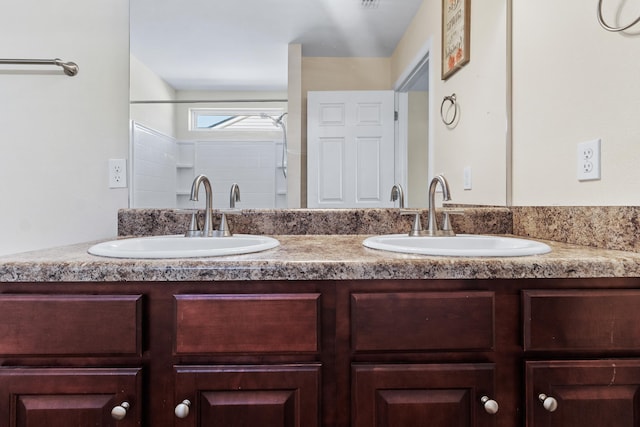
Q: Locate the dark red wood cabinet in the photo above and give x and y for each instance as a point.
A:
(586, 343)
(584, 393)
(248, 395)
(369, 353)
(62, 397)
(429, 395)
(38, 331)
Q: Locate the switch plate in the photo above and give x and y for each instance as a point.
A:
(466, 183)
(117, 173)
(589, 160)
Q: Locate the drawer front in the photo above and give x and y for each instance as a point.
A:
(263, 323)
(581, 320)
(70, 325)
(418, 321)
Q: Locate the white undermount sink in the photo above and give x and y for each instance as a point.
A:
(461, 245)
(179, 246)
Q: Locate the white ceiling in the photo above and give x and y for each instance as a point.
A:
(242, 44)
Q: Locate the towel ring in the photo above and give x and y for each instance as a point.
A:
(451, 99)
(610, 28)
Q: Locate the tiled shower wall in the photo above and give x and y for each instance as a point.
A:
(153, 169)
(163, 170)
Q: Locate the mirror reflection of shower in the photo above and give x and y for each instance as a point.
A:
(279, 122)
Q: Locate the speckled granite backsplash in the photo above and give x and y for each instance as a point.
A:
(147, 222)
(607, 227)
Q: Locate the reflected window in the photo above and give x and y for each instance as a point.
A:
(214, 119)
(205, 121)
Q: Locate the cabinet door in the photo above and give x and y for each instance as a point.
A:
(63, 397)
(433, 395)
(265, 396)
(591, 393)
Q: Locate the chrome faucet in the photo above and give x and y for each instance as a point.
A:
(207, 230)
(234, 195)
(397, 194)
(432, 226)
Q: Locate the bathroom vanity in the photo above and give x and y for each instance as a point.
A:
(320, 331)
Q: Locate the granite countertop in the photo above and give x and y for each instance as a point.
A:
(316, 257)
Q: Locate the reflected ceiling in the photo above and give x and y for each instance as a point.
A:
(243, 44)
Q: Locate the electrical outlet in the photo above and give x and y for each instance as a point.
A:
(589, 160)
(117, 173)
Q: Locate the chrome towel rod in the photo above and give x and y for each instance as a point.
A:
(70, 68)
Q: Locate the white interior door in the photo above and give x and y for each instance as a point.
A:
(350, 149)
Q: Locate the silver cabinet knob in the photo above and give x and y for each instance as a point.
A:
(490, 405)
(549, 403)
(119, 412)
(182, 410)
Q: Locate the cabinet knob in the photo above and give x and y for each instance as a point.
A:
(490, 405)
(182, 410)
(549, 403)
(120, 411)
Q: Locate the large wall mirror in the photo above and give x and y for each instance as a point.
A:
(209, 92)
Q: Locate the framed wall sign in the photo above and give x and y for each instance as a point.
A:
(456, 31)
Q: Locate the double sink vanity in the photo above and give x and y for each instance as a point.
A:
(321, 330)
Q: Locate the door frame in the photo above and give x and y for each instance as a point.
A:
(421, 62)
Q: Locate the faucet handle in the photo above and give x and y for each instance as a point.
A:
(194, 229)
(447, 230)
(416, 229)
(224, 230)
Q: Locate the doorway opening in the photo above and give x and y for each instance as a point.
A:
(414, 135)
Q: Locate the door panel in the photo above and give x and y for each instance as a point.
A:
(589, 393)
(350, 149)
(269, 408)
(63, 397)
(249, 395)
(422, 395)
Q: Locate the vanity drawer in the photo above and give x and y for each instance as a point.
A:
(581, 320)
(252, 323)
(419, 321)
(70, 325)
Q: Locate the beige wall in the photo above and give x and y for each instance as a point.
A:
(58, 132)
(345, 74)
(574, 82)
(478, 140)
(417, 154)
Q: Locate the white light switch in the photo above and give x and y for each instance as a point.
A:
(467, 178)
